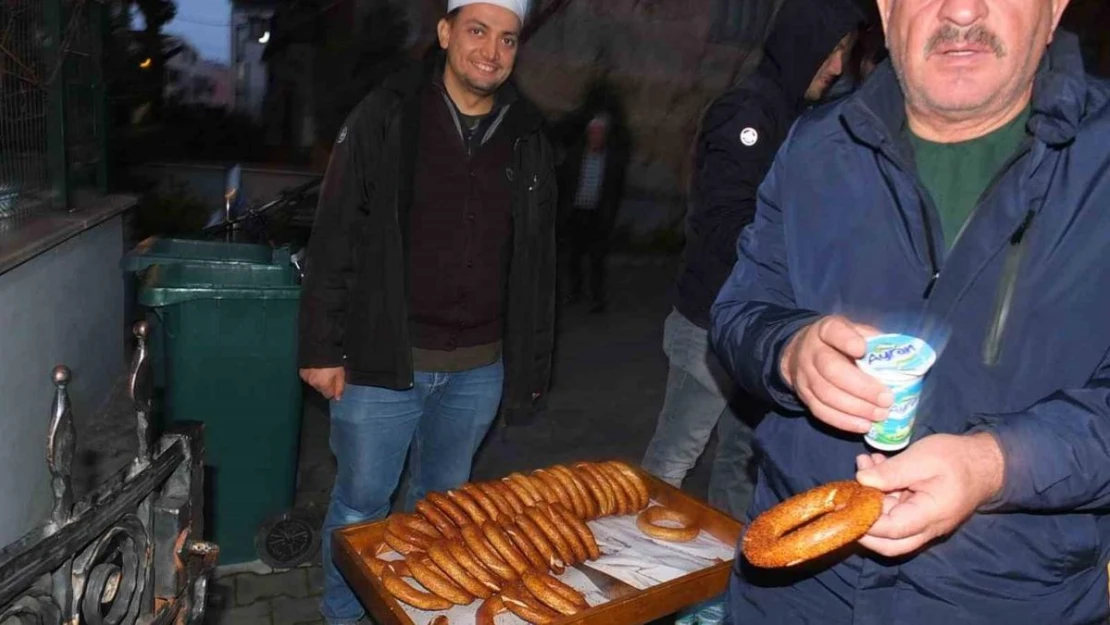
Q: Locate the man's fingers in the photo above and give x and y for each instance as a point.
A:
(867, 331)
(905, 519)
(904, 526)
(893, 548)
(339, 384)
(841, 335)
(842, 401)
(866, 461)
(845, 375)
(890, 500)
(906, 471)
(837, 419)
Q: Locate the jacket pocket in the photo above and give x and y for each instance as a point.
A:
(1019, 556)
(1007, 285)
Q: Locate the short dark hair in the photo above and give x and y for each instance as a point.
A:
(452, 15)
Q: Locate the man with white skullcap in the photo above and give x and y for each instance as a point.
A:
(429, 294)
(520, 7)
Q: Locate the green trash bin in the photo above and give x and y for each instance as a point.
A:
(230, 350)
(160, 251)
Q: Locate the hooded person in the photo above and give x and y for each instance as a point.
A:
(739, 136)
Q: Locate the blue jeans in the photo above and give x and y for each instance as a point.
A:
(697, 400)
(443, 419)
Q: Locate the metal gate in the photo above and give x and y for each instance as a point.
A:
(129, 552)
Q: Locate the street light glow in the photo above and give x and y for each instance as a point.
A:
(265, 38)
(147, 62)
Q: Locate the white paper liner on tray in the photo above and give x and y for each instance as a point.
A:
(627, 554)
(642, 561)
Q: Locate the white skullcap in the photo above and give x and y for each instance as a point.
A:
(520, 7)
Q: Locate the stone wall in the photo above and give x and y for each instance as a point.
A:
(657, 55)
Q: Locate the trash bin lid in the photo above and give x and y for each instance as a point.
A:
(160, 251)
(165, 285)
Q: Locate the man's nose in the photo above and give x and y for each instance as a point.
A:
(963, 12)
(491, 50)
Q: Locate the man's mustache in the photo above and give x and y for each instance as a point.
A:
(976, 35)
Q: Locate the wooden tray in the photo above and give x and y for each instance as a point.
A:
(626, 605)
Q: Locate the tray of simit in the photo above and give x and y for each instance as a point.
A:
(587, 542)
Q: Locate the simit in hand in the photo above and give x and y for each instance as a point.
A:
(932, 487)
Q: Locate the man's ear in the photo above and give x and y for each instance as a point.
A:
(1058, 8)
(884, 12)
(443, 31)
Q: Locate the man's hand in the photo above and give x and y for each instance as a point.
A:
(932, 488)
(329, 382)
(819, 365)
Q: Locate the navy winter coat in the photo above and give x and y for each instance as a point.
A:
(1020, 309)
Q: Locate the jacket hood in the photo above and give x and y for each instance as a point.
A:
(805, 32)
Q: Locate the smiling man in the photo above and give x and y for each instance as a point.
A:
(960, 196)
(430, 285)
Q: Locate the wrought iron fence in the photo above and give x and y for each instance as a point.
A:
(128, 553)
(52, 116)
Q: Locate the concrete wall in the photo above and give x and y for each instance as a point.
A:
(64, 306)
(661, 59)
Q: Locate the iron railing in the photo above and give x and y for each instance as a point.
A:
(130, 552)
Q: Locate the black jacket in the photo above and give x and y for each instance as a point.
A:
(354, 306)
(740, 133)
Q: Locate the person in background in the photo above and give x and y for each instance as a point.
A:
(868, 51)
(429, 294)
(740, 133)
(592, 189)
(959, 196)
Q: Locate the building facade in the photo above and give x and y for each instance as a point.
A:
(193, 80)
(250, 33)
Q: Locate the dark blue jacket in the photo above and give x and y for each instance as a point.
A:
(1018, 310)
(727, 169)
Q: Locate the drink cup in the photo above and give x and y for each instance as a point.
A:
(900, 362)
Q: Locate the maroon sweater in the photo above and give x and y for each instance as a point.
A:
(460, 231)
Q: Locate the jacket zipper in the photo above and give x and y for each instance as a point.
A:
(1022, 150)
(992, 343)
(408, 339)
(409, 361)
